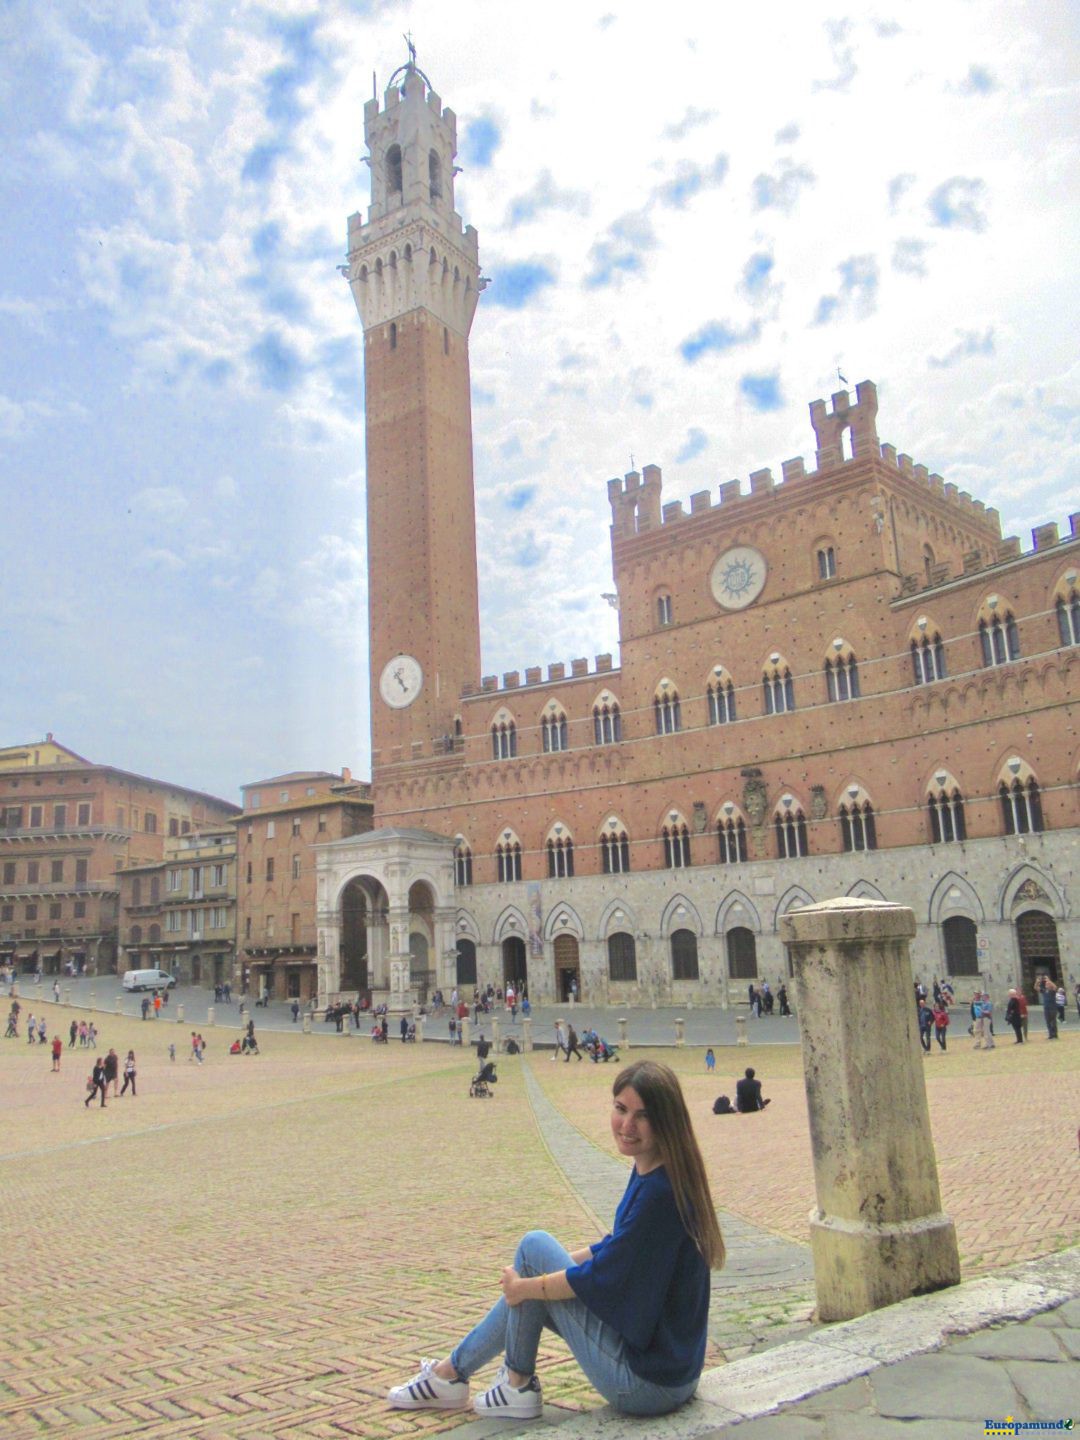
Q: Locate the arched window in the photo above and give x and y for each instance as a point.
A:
(790, 827)
(676, 845)
(503, 740)
(136, 934)
(434, 176)
(607, 722)
(946, 807)
(779, 688)
(615, 851)
(393, 169)
(155, 935)
(826, 562)
(741, 953)
(1021, 806)
(560, 854)
(508, 861)
(999, 639)
(136, 890)
(842, 677)
(684, 957)
(928, 659)
(466, 962)
(961, 945)
(462, 863)
(663, 609)
(731, 838)
(1068, 614)
(857, 826)
(622, 956)
(667, 710)
(720, 694)
(553, 732)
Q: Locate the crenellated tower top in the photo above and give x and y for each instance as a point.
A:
(413, 250)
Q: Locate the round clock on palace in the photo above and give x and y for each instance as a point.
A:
(400, 682)
(738, 577)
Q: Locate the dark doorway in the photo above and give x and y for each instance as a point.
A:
(1039, 953)
(354, 916)
(567, 967)
(741, 953)
(515, 964)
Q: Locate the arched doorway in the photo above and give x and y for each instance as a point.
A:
(515, 964)
(466, 962)
(567, 967)
(741, 953)
(1037, 936)
(961, 946)
(354, 937)
(421, 939)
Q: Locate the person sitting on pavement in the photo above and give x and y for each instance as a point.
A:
(748, 1094)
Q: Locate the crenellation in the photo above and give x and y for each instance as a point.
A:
(951, 490)
(858, 420)
(1074, 522)
(1044, 537)
(940, 572)
(730, 490)
(579, 666)
(1009, 548)
(557, 671)
(511, 679)
(905, 465)
(921, 473)
(489, 683)
(994, 518)
(603, 664)
(937, 485)
(672, 511)
(533, 674)
(888, 454)
(794, 469)
(973, 560)
(700, 501)
(762, 482)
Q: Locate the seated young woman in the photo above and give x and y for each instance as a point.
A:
(633, 1308)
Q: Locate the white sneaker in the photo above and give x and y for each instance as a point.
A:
(428, 1391)
(506, 1400)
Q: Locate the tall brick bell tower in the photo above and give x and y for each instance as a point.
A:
(414, 273)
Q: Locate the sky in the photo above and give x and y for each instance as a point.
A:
(693, 217)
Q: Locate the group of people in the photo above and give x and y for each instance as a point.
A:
(748, 1097)
(763, 1001)
(151, 1004)
(106, 1072)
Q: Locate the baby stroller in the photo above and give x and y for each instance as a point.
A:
(480, 1088)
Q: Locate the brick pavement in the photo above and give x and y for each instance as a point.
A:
(262, 1246)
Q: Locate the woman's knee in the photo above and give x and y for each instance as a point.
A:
(537, 1250)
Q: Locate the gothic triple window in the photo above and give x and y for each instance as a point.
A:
(731, 840)
(607, 722)
(1021, 806)
(779, 688)
(560, 856)
(928, 659)
(462, 863)
(666, 709)
(842, 675)
(946, 807)
(857, 828)
(999, 639)
(553, 733)
(615, 851)
(508, 860)
(1068, 615)
(720, 694)
(676, 845)
(790, 828)
(503, 740)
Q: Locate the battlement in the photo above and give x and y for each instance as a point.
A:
(636, 505)
(556, 674)
(1003, 552)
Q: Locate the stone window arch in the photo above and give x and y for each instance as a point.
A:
(778, 685)
(720, 697)
(614, 847)
(676, 837)
(553, 729)
(503, 736)
(741, 950)
(607, 719)
(1021, 802)
(434, 176)
(999, 639)
(731, 834)
(842, 672)
(858, 830)
(560, 852)
(789, 825)
(393, 170)
(825, 558)
(666, 708)
(927, 651)
(684, 955)
(1067, 609)
(622, 957)
(664, 611)
(463, 870)
(466, 962)
(508, 858)
(136, 934)
(960, 936)
(945, 806)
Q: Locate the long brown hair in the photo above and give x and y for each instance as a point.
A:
(680, 1156)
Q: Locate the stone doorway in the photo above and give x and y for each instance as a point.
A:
(515, 964)
(1037, 937)
(356, 909)
(567, 967)
(741, 953)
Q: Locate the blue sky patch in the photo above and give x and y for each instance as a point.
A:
(514, 286)
(781, 189)
(278, 364)
(757, 272)
(959, 204)
(482, 138)
(717, 337)
(520, 497)
(761, 392)
(696, 441)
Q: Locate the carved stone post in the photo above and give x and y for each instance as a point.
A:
(680, 1031)
(878, 1233)
(740, 1029)
(624, 1035)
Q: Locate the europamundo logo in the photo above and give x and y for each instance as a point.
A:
(1009, 1426)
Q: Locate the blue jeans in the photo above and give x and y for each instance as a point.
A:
(598, 1349)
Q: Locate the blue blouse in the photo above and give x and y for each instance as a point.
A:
(648, 1281)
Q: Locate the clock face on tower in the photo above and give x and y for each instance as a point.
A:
(400, 682)
(738, 577)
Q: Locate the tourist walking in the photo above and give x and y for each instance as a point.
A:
(633, 1308)
(73, 1034)
(57, 1051)
(572, 1046)
(926, 1025)
(96, 1083)
(31, 1030)
(129, 1073)
(112, 1071)
(91, 1035)
(941, 1022)
(1012, 1017)
(560, 1040)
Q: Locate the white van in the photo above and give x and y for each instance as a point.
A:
(148, 980)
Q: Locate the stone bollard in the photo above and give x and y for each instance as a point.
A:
(90, 1002)
(680, 1030)
(463, 1029)
(179, 1014)
(210, 1015)
(624, 1033)
(119, 1004)
(740, 1029)
(878, 1234)
(67, 995)
(420, 1029)
(495, 1035)
(306, 1022)
(526, 1036)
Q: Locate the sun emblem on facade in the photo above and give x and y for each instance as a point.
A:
(738, 577)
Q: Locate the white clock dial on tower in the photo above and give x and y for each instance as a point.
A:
(738, 577)
(401, 681)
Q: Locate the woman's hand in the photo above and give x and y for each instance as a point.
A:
(512, 1286)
